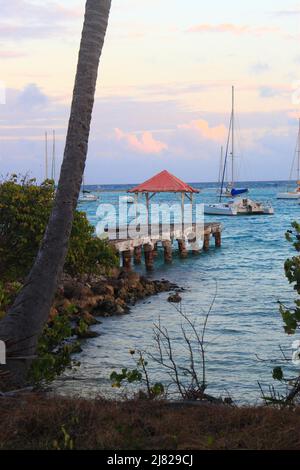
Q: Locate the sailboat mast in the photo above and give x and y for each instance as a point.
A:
(298, 166)
(53, 170)
(46, 155)
(221, 166)
(232, 137)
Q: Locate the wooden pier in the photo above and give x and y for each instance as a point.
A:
(192, 239)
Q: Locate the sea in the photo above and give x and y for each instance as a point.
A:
(244, 337)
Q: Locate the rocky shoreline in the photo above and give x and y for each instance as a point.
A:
(89, 298)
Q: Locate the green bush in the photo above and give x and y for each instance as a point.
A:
(24, 213)
(54, 351)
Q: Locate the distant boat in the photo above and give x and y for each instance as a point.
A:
(239, 206)
(86, 196)
(295, 194)
(127, 199)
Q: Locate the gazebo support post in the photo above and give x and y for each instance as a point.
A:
(148, 213)
(182, 213)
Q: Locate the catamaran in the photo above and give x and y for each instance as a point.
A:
(295, 194)
(239, 206)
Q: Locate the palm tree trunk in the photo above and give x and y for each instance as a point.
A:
(24, 322)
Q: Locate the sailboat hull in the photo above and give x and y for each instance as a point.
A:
(219, 209)
(239, 207)
(288, 195)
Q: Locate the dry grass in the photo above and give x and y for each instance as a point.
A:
(36, 422)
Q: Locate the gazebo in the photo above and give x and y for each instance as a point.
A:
(148, 235)
(164, 182)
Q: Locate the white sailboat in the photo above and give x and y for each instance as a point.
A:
(239, 206)
(295, 194)
(86, 196)
(231, 190)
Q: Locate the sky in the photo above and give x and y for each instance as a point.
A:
(163, 97)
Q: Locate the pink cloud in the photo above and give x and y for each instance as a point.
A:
(201, 127)
(232, 29)
(11, 54)
(144, 144)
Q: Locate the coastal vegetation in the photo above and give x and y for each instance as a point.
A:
(29, 313)
(25, 208)
(291, 319)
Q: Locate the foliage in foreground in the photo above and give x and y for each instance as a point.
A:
(184, 367)
(54, 351)
(291, 319)
(37, 422)
(25, 208)
(24, 212)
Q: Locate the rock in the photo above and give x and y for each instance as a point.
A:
(88, 334)
(85, 292)
(150, 289)
(105, 308)
(120, 310)
(123, 293)
(110, 290)
(114, 272)
(72, 289)
(133, 279)
(63, 305)
(99, 288)
(89, 319)
(175, 298)
(53, 314)
(87, 304)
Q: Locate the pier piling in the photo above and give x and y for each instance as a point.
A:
(127, 258)
(182, 248)
(206, 242)
(149, 257)
(218, 239)
(132, 248)
(168, 251)
(138, 252)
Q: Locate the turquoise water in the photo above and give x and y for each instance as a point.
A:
(248, 272)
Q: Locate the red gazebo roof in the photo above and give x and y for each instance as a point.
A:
(164, 182)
